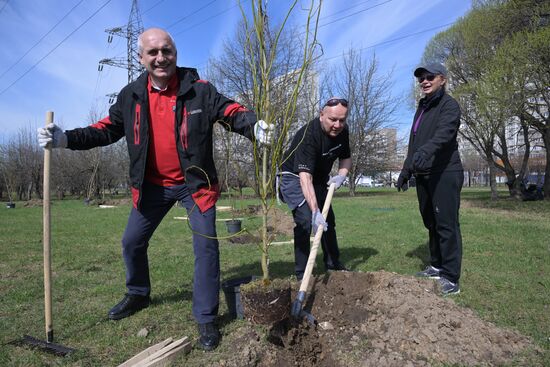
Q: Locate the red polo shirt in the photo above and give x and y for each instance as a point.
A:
(163, 165)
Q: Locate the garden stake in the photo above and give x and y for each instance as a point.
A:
(297, 311)
(48, 345)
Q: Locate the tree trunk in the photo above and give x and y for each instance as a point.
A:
(352, 187)
(493, 182)
(492, 173)
(546, 186)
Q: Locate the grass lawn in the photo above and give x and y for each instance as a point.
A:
(505, 277)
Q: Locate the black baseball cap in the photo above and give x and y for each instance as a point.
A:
(434, 68)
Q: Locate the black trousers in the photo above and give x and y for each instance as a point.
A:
(439, 203)
(302, 231)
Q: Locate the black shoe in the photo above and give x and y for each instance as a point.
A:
(338, 266)
(209, 336)
(129, 305)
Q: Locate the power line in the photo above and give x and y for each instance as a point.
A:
(327, 16)
(347, 9)
(41, 38)
(55, 48)
(3, 6)
(355, 13)
(398, 38)
(153, 6)
(207, 19)
(187, 16)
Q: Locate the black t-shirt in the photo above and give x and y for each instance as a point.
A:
(314, 152)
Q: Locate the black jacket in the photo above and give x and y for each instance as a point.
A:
(436, 135)
(198, 107)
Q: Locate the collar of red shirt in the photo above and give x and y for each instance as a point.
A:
(172, 85)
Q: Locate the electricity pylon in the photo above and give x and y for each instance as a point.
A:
(131, 32)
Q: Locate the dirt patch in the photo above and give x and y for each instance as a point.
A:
(280, 223)
(379, 319)
(32, 203)
(115, 202)
(243, 238)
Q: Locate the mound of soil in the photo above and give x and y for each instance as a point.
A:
(378, 319)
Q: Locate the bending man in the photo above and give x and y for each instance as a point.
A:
(304, 178)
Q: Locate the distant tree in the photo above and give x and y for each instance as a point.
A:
(371, 108)
(528, 55)
(483, 70)
(21, 164)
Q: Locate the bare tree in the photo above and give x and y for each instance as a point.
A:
(261, 56)
(21, 165)
(233, 75)
(371, 109)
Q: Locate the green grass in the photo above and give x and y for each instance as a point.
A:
(505, 277)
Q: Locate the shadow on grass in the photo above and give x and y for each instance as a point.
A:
(184, 294)
(352, 257)
(421, 252)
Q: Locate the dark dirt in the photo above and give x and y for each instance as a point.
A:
(266, 305)
(378, 319)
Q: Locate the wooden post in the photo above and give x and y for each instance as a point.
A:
(47, 237)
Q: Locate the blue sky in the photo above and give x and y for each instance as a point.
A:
(56, 69)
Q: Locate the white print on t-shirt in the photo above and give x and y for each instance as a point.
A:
(302, 166)
(332, 149)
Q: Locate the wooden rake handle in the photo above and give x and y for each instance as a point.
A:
(47, 237)
(316, 241)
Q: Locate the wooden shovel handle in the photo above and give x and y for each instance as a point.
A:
(316, 241)
(47, 237)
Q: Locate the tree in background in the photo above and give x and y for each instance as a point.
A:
(371, 108)
(530, 52)
(492, 86)
(21, 165)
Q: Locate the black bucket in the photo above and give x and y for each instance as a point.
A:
(232, 291)
(233, 226)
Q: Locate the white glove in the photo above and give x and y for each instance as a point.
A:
(51, 134)
(263, 132)
(317, 220)
(337, 180)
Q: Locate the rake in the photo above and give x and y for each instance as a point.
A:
(47, 345)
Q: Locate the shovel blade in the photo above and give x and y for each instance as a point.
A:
(309, 317)
(296, 310)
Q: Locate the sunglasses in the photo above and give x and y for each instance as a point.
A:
(336, 101)
(428, 77)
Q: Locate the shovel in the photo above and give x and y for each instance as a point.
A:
(297, 310)
(48, 345)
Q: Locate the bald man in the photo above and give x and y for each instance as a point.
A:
(305, 176)
(167, 116)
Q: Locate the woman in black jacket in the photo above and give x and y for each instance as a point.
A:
(434, 161)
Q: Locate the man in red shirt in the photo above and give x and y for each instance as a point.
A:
(167, 116)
